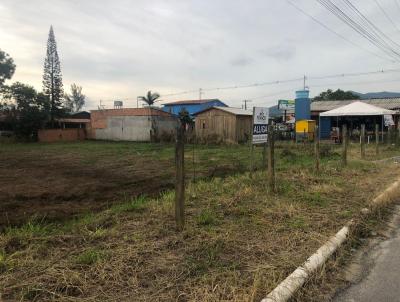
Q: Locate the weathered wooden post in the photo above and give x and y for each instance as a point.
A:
(271, 159)
(398, 134)
(344, 145)
(251, 159)
(376, 139)
(264, 156)
(316, 149)
(362, 141)
(180, 179)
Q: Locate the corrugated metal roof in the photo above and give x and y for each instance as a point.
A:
(389, 103)
(74, 120)
(235, 111)
(192, 102)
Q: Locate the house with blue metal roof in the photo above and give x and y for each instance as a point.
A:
(192, 106)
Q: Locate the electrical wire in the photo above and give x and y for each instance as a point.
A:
(369, 23)
(353, 83)
(336, 33)
(366, 28)
(342, 75)
(387, 15)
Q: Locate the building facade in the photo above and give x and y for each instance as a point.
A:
(132, 124)
(223, 124)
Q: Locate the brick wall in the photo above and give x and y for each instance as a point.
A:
(99, 117)
(61, 135)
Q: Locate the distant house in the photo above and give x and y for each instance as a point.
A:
(224, 124)
(192, 106)
(133, 124)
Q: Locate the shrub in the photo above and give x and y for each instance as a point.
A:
(90, 256)
(206, 217)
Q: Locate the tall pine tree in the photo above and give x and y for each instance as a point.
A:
(52, 78)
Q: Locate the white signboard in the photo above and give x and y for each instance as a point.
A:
(388, 120)
(260, 125)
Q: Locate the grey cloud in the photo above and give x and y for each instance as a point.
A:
(122, 47)
(281, 52)
(242, 60)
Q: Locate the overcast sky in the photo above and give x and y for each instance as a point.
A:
(120, 49)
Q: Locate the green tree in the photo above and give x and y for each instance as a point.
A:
(150, 98)
(338, 95)
(7, 67)
(27, 110)
(76, 100)
(184, 117)
(52, 78)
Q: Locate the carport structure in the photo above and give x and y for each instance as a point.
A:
(356, 112)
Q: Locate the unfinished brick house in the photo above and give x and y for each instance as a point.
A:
(132, 124)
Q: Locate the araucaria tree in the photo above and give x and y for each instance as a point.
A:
(52, 78)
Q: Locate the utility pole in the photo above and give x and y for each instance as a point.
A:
(245, 103)
(101, 106)
(304, 82)
(200, 93)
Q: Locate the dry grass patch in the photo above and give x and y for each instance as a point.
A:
(239, 242)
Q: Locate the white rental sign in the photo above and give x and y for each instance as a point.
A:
(260, 125)
(388, 120)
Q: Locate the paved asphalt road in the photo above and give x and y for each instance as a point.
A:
(381, 282)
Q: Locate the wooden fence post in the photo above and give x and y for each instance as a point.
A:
(344, 145)
(264, 156)
(180, 179)
(362, 141)
(271, 159)
(316, 149)
(251, 159)
(376, 139)
(398, 134)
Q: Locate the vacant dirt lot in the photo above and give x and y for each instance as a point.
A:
(53, 183)
(56, 181)
(240, 239)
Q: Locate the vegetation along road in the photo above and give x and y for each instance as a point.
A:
(239, 242)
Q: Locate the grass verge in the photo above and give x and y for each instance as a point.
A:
(239, 242)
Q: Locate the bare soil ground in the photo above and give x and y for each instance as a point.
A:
(240, 239)
(55, 186)
(59, 181)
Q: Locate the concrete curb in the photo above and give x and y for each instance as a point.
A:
(286, 289)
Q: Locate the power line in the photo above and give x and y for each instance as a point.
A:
(354, 74)
(366, 28)
(254, 85)
(387, 15)
(354, 83)
(299, 80)
(369, 24)
(336, 33)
